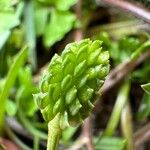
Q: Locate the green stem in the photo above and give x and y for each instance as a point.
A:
(54, 133)
(114, 119)
(36, 143)
(30, 32)
(126, 126)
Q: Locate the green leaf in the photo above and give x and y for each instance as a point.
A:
(110, 143)
(60, 23)
(141, 74)
(59, 4)
(41, 16)
(9, 21)
(3, 38)
(11, 108)
(68, 133)
(64, 4)
(144, 110)
(25, 90)
(146, 87)
(140, 50)
(6, 5)
(10, 79)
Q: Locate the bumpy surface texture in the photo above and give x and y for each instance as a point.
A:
(72, 81)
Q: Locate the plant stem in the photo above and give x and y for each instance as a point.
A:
(128, 7)
(54, 133)
(30, 32)
(114, 119)
(36, 143)
(126, 125)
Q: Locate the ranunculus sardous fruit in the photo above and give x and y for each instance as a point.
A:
(72, 81)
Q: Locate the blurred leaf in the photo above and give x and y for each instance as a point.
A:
(68, 133)
(41, 17)
(60, 23)
(3, 38)
(121, 49)
(110, 143)
(144, 46)
(10, 18)
(124, 48)
(2, 82)
(10, 79)
(11, 108)
(141, 74)
(25, 77)
(146, 87)
(60, 4)
(103, 36)
(6, 5)
(144, 110)
(10, 21)
(16, 39)
(64, 4)
(25, 91)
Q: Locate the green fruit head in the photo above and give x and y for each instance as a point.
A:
(71, 83)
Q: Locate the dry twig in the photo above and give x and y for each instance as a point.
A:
(78, 35)
(128, 7)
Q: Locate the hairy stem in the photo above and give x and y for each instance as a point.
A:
(54, 133)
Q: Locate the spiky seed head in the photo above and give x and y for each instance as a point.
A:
(72, 81)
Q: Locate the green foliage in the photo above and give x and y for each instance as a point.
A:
(59, 4)
(60, 23)
(146, 87)
(61, 20)
(8, 15)
(110, 143)
(41, 17)
(121, 100)
(122, 49)
(10, 21)
(25, 90)
(3, 38)
(144, 110)
(10, 79)
(141, 75)
(68, 133)
(72, 81)
(11, 108)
